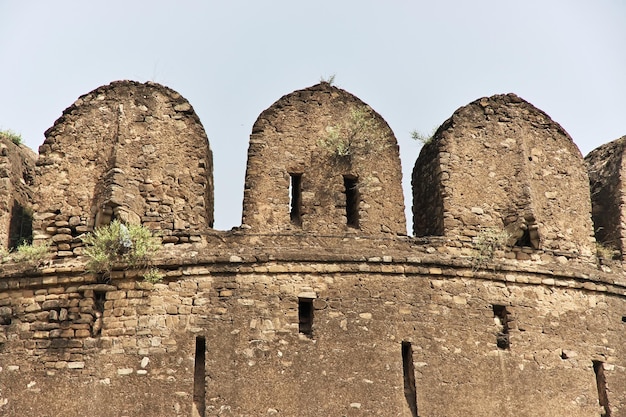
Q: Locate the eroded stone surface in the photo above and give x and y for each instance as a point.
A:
(317, 317)
(337, 145)
(17, 166)
(606, 171)
(501, 163)
(132, 151)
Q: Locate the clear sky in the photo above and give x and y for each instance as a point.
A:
(414, 62)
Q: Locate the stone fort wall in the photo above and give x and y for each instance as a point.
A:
(318, 304)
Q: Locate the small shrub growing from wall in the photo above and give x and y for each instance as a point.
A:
(26, 253)
(357, 134)
(117, 243)
(487, 242)
(12, 136)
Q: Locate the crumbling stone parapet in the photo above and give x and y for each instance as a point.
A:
(501, 163)
(131, 151)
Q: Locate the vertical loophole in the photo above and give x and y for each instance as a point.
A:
(501, 318)
(350, 184)
(199, 387)
(99, 298)
(295, 204)
(603, 398)
(410, 392)
(305, 316)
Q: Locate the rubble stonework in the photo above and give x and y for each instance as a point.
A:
(17, 166)
(606, 167)
(305, 313)
(500, 162)
(132, 151)
(325, 136)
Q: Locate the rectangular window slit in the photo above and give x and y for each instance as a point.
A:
(305, 316)
(199, 379)
(410, 392)
(295, 193)
(501, 318)
(353, 198)
(623, 319)
(603, 399)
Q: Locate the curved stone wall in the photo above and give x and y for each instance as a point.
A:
(316, 306)
(254, 325)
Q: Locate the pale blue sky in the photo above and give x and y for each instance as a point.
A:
(414, 62)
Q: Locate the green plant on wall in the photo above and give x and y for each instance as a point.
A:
(26, 253)
(486, 243)
(117, 243)
(423, 138)
(360, 133)
(12, 136)
(328, 80)
(153, 275)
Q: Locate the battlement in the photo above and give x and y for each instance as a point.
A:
(318, 304)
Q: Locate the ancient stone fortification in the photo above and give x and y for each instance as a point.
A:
(318, 305)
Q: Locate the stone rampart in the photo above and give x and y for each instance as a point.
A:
(318, 304)
(523, 337)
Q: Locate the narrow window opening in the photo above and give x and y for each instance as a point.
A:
(20, 226)
(623, 319)
(305, 316)
(296, 199)
(99, 300)
(353, 198)
(410, 392)
(5, 316)
(603, 399)
(199, 380)
(98, 307)
(501, 318)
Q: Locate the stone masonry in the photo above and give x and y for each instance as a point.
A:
(17, 166)
(606, 168)
(319, 304)
(327, 139)
(142, 156)
(500, 162)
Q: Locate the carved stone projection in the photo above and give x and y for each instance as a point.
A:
(320, 160)
(501, 163)
(131, 151)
